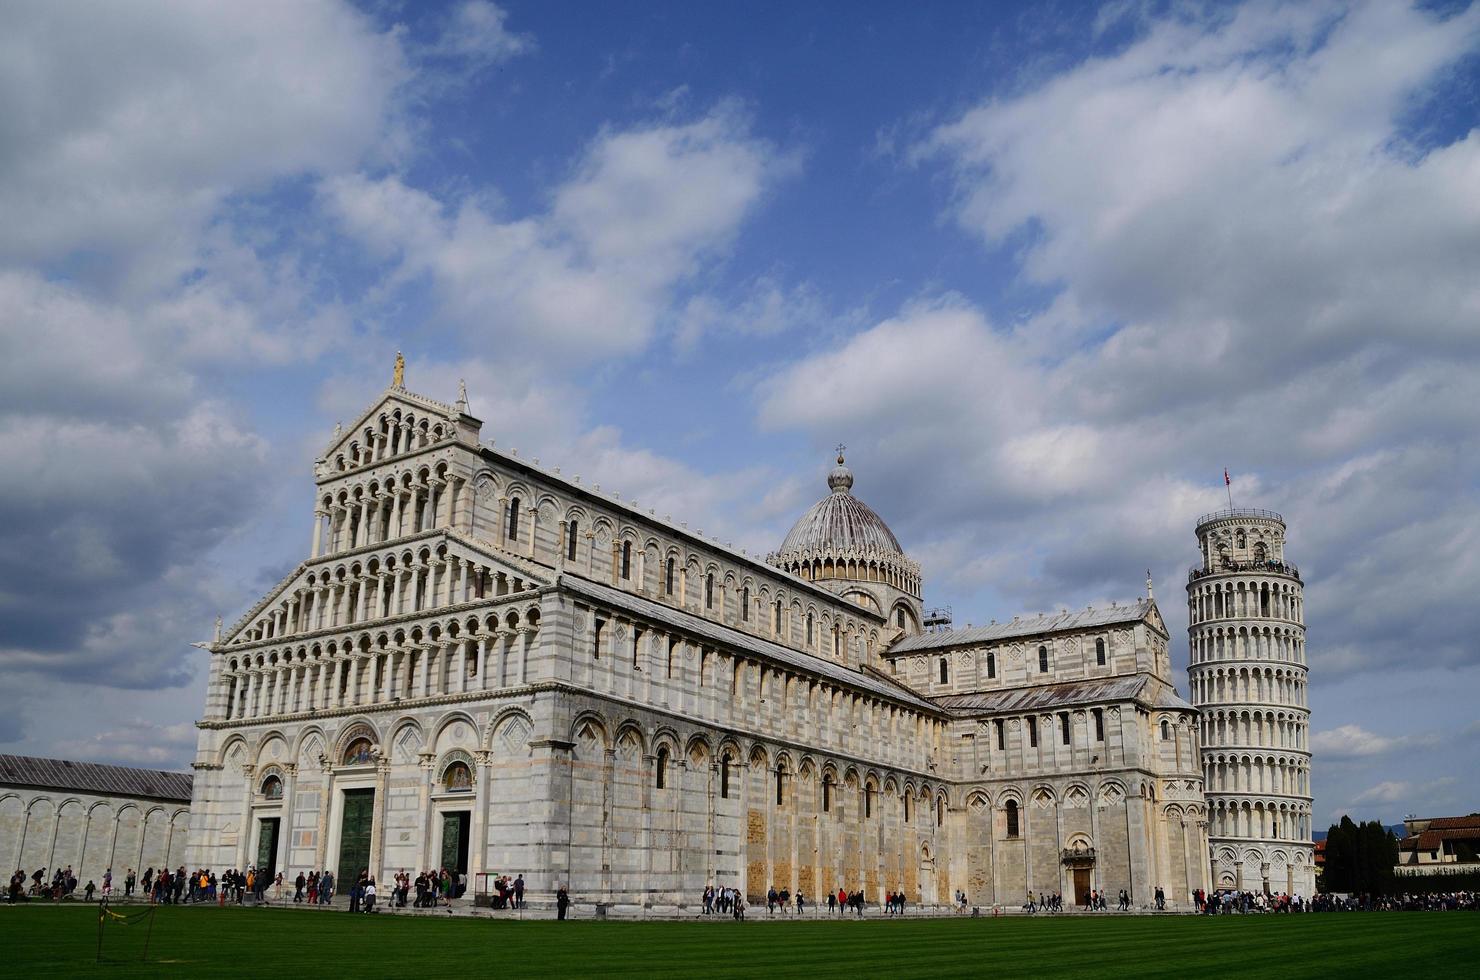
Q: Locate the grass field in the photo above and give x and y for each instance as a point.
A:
(255, 942)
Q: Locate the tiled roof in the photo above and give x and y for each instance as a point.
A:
(1046, 696)
(1471, 822)
(1430, 840)
(722, 634)
(1027, 626)
(91, 777)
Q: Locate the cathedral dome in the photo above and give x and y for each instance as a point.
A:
(841, 523)
(841, 537)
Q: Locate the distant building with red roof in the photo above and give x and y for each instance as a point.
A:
(1440, 844)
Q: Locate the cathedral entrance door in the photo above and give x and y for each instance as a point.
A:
(267, 844)
(455, 827)
(1081, 885)
(354, 836)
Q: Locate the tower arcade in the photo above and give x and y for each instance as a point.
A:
(1247, 673)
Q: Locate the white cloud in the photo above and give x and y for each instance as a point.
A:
(476, 34)
(1252, 268)
(123, 128)
(596, 273)
(140, 742)
(1350, 740)
(1387, 791)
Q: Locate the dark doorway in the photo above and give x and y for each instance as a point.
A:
(267, 843)
(1081, 885)
(455, 834)
(354, 836)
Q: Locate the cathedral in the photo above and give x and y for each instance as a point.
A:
(486, 665)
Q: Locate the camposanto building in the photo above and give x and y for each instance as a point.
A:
(486, 665)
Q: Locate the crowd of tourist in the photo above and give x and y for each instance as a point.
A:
(436, 888)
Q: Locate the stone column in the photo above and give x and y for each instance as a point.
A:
(285, 838)
(318, 531)
(377, 822)
(478, 826)
(427, 761)
(524, 642)
(244, 839)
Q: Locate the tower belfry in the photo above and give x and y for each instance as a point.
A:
(1247, 672)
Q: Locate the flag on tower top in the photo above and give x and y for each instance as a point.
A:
(1226, 481)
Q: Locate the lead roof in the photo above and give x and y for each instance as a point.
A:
(1027, 626)
(92, 777)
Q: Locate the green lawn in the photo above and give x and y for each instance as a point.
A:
(261, 942)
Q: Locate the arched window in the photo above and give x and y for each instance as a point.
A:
(745, 604)
(1166, 730)
(1100, 651)
(945, 671)
(899, 617)
(827, 785)
(780, 785)
(1001, 735)
(991, 663)
(940, 811)
(906, 806)
(668, 577)
(709, 591)
(1240, 541)
(776, 626)
(1043, 660)
(1012, 818)
(626, 559)
(272, 788)
(662, 765)
(1064, 731)
(809, 629)
(868, 802)
(570, 545)
(1033, 733)
(1099, 724)
(724, 777)
(513, 519)
(359, 753)
(457, 778)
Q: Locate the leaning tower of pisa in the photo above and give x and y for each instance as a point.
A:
(1246, 629)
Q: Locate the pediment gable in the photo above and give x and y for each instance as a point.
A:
(1154, 620)
(344, 566)
(387, 421)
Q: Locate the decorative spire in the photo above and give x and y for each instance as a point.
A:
(218, 629)
(398, 377)
(1149, 593)
(462, 396)
(840, 480)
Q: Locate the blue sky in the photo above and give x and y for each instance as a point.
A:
(1046, 269)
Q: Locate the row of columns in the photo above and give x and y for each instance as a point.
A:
(54, 860)
(375, 677)
(1260, 643)
(718, 688)
(1256, 776)
(438, 582)
(1253, 731)
(1211, 685)
(385, 515)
